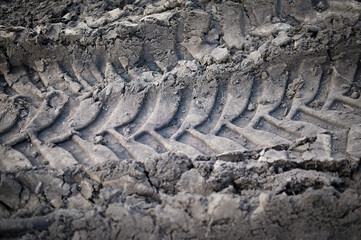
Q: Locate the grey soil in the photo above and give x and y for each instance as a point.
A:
(180, 119)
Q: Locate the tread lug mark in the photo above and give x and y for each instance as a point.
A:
(175, 146)
(8, 119)
(95, 152)
(84, 115)
(78, 71)
(258, 137)
(21, 83)
(140, 152)
(126, 110)
(204, 98)
(349, 101)
(53, 75)
(338, 118)
(310, 77)
(96, 73)
(237, 100)
(56, 156)
(110, 74)
(298, 128)
(310, 81)
(10, 159)
(343, 75)
(200, 109)
(271, 98)
(75, 87)
(40, 68)
(216, 143)
(233, 18)
(273, 91)
(166, 107)
(48, 112)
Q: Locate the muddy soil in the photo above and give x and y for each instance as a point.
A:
(177, 119)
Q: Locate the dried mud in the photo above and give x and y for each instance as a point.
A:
(180, 119)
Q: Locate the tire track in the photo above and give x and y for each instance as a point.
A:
(150, 110)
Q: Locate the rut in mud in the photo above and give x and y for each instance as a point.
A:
(180, 119)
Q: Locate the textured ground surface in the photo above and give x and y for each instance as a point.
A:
(180, 119)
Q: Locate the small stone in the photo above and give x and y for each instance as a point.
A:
(99, 140)
(220, 54)
(67, 16)
(321, 6)
(189, 4)
(74, 188)
(115, 14)
(86, 189)
(355, 95)
(39, 188)
(285, 112)
(251, 107)
(23, 114)
(34, 154)
(282, 39)
(275, 20)
(298, 95)
(264, 76)
(313, 29)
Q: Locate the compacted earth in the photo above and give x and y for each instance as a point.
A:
(172, 119)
